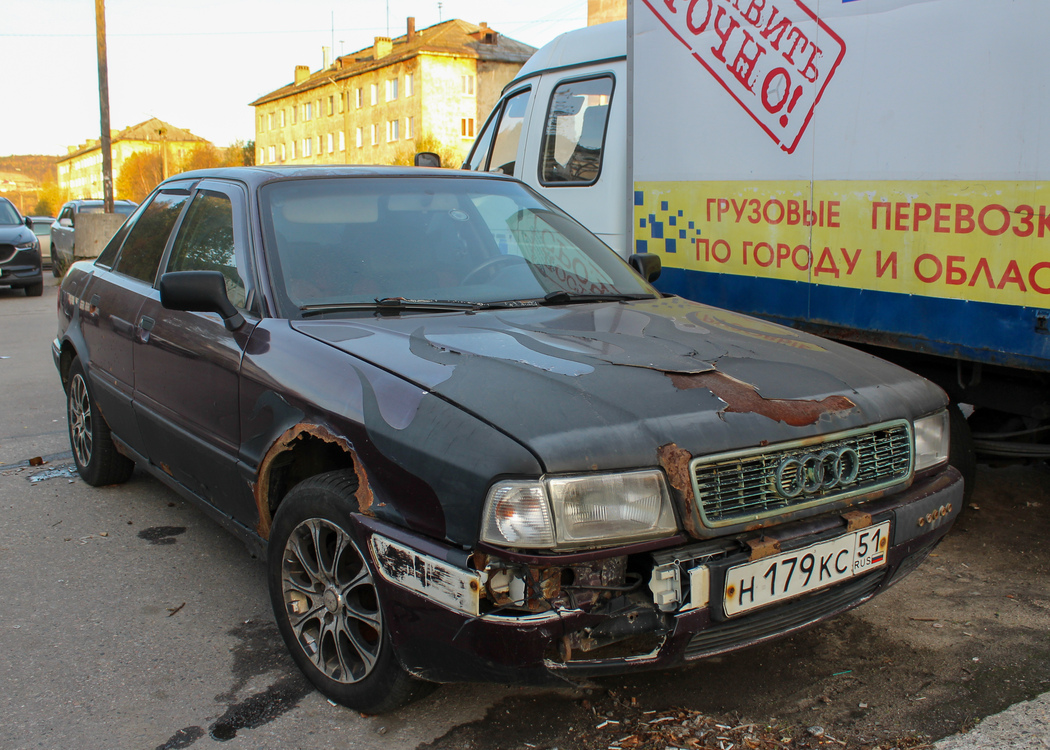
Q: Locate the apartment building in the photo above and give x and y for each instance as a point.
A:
(372, 106)
(80, 171)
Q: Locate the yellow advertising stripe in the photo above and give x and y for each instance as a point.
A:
(968, 240)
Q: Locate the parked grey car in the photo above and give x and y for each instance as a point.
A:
(63, 230)
(42, 230)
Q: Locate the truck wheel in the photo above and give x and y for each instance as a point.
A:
(55, 270)
(326, 602)
(962, 454)
(94, 453)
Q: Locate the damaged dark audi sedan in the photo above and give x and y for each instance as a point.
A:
(475, 443)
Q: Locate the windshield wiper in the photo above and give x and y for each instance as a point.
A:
(389, 306)
(562, 297)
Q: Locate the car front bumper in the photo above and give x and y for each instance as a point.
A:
(430, 595)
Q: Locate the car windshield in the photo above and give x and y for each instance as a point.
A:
(351, 241)
(8, 214)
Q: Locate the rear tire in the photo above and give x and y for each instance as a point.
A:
(94, 452)
(326, 602)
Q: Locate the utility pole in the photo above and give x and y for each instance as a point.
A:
(103, 105)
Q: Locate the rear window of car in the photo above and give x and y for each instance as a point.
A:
(140, 255)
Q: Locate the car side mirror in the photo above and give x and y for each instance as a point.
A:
(29, 223)
(427, 159)
(647, 266)
(65, 222)
(199, 291)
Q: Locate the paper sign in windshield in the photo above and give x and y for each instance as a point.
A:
(774, 59)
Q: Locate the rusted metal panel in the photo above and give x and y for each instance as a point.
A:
(763, 547)
(742, 398)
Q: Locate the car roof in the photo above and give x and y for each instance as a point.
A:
(260, 175)
(96, 201)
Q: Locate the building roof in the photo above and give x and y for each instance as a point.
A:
(452, 37)
(153, 129)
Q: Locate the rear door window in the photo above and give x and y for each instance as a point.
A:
(144, 246)
(574, 132)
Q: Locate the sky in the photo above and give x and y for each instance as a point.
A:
(196, 64)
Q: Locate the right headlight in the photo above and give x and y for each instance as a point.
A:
(572, 512)
(932, 440)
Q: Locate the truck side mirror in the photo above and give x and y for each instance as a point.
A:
(29, 223)
(647, 266)
(427, 159)
(199, 291)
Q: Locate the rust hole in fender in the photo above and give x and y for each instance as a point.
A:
(286, 442)
(742, 398)
(675, 462)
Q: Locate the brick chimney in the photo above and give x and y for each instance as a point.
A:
(302, 72)
(411, 29)
(382, 47)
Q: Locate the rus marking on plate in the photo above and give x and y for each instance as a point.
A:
(766, 56)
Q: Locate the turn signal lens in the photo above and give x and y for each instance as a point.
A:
(932, 440)
(517, 514)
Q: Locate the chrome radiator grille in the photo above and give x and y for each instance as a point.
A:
(746, 485)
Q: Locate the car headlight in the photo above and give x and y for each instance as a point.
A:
(26, 245)
(932, 439)
(579, 511)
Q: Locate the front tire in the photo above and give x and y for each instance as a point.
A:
(326, 602)
(94, 453)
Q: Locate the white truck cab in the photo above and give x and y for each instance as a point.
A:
(560, 127)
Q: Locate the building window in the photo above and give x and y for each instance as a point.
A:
(375, 93)
(308, 145)
(342, 141)
(359, 98)
(272, 154)
(331, 105)
(262, 123)
(269, 121)
(294, 112)
(468, 85)
(282, 152)
(293, 149)
(375, 134)
(282, 118)
(392, 128)
(308, 111)
(409, 126)
(466, 127)
(408, 84)
(342, 100)
(331, 143)
(391, 90)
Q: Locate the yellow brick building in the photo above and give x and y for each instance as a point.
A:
(80, 171)
(371, 106)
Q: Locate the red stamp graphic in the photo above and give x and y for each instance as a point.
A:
(775, 61)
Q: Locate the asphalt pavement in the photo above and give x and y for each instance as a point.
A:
(130, 620)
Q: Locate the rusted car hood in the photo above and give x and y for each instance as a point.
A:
(602, 386)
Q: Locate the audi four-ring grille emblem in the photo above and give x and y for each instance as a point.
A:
(813, 473)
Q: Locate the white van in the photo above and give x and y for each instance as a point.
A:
(869, 170)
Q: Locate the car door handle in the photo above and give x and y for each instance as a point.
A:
(146, 324)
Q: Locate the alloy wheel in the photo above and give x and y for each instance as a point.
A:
(80, 419)
(330, 600)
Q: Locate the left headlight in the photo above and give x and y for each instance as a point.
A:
(27, 245)
(579, 511)
(932, 440)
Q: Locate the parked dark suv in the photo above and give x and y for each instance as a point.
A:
(19, 252)
(478, 445)
(63, 230)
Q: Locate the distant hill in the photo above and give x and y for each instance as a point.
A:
(39, 168)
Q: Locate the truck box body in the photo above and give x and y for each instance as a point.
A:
(872, 170)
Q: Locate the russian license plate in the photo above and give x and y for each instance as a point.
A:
(791, 574)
